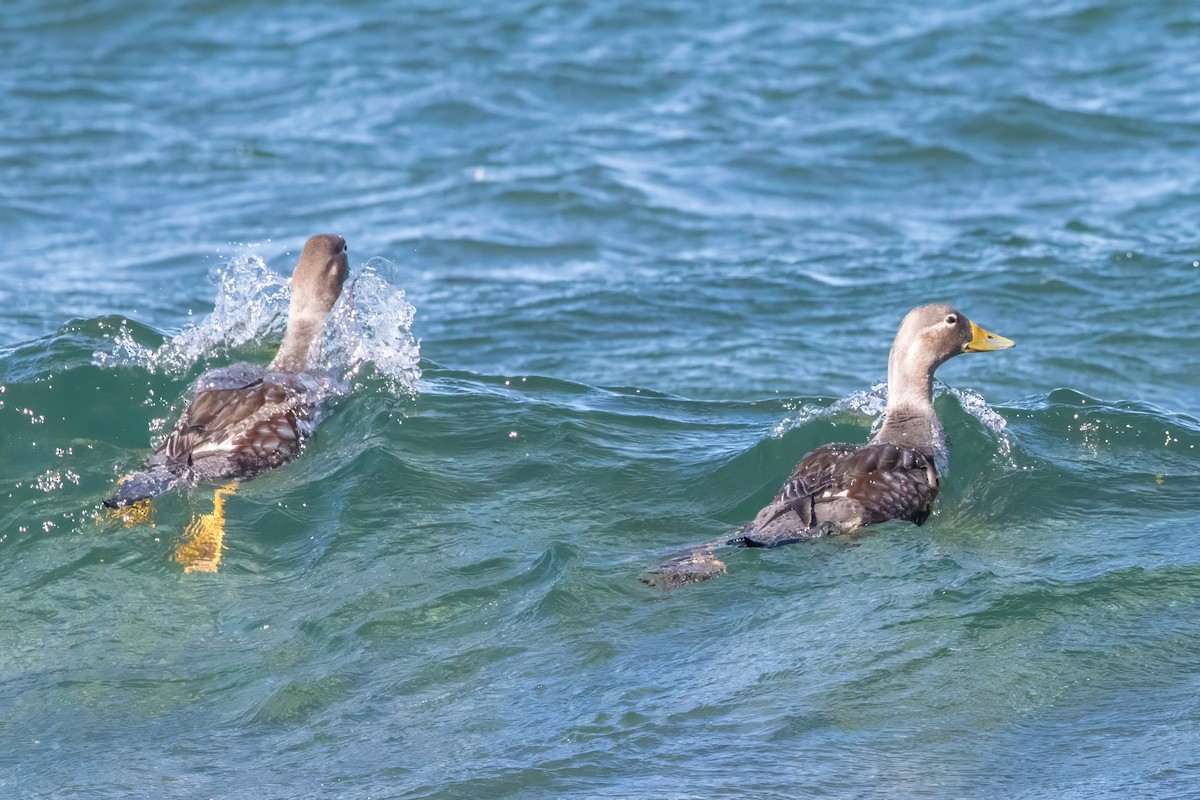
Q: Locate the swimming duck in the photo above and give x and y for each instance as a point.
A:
(840, 487)
(244, 419)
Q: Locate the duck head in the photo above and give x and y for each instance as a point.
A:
(928, 337)
(319, 276)
(317, 283)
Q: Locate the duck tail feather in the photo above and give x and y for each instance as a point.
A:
(143, 485)
(780, 523)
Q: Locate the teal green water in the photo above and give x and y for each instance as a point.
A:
(616, 267)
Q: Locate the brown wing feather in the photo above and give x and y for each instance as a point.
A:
(841, 487)
(254, 426)
(890, 482)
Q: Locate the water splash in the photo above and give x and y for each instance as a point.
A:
(873, 403)
(870, 403)
(973, 403)
(251, 307)
(371, 324)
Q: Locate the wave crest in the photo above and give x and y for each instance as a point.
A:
(872, 403)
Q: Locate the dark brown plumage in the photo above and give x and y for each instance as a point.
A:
(839, 487)
(246, 419)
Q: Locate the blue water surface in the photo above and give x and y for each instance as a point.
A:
(656, 251)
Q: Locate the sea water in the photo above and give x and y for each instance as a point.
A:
(616, 267)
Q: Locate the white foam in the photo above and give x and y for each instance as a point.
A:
(873, 403)
(370, 324)
(251, 306)
(870, 404)
(973, 403)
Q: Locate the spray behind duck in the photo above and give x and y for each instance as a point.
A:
(246, 419)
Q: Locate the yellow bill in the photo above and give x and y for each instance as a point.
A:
(983, 341)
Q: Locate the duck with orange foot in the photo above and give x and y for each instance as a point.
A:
(246, 419)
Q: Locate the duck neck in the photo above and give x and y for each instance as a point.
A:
(302, 329)
(910, 420)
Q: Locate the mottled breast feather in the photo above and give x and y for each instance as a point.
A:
(841, 487)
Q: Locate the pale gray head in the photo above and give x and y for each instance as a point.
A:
(931, 335)
(316, 285)
(928, 337)
(319, 275)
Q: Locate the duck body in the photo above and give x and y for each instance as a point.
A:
(245, 419)
(838, 488)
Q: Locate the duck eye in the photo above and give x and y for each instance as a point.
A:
(951, 319)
